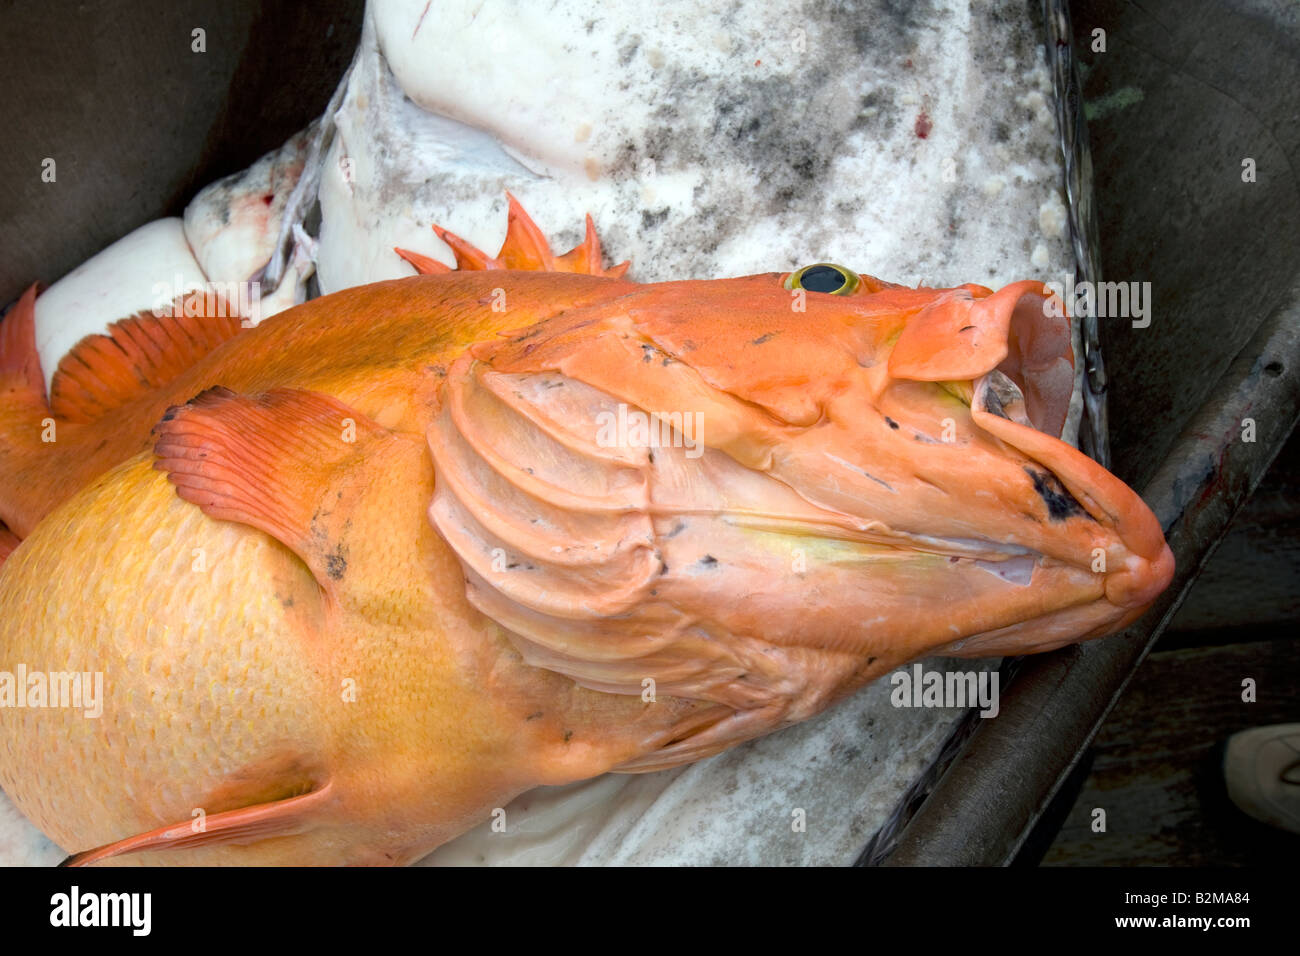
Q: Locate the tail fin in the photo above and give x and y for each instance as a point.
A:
(23, 403)
(20, 365)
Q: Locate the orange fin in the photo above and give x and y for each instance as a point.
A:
(137, 355)
(525, 248)
(468, 256)
(423, 264)
(588, 256)
(266, 461)
(23, 409)
(245, 825)
(20, 365)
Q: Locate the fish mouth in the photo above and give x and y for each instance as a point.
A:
(1104, 563)
(1045, 547)
(1147, 568)
(1017, 378)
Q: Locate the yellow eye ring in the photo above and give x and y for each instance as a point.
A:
(824, 277)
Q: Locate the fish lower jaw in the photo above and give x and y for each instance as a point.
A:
(1125, 594)
(1048, 632)
(1141, 580)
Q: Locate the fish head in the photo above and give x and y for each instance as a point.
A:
(753, 491)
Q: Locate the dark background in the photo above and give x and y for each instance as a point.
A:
(1214, 83)
(138, 123)
(1186, 89)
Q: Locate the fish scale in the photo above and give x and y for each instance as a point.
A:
(168, 655)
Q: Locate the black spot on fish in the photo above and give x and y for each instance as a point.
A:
(567, 735)
(708, 561)
(336, 564)
(966, 328)
(534, 715)
(1060, 503)
(891, 423)
(765, 337)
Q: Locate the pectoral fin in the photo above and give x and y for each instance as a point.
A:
(245, 825)
(281, 462)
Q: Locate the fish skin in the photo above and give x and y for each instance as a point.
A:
(347, 348)
(224, 686)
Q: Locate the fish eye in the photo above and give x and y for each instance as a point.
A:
(824, 277)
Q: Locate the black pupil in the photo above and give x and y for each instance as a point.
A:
(822, 279)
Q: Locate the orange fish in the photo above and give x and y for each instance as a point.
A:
(355, 578)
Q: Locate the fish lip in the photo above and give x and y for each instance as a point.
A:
(1021, 330)
(1148, 567)
(1142, 582)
